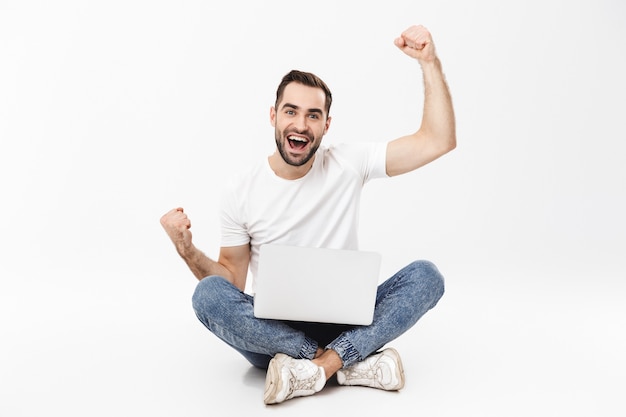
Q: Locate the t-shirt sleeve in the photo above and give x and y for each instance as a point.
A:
(368, 159)
(377, 161)
(233, 229)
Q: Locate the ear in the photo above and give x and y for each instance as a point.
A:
(273, 116)
(327, 125)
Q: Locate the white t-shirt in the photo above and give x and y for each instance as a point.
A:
(320, 209)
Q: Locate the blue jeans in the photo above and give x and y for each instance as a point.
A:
(400, 302)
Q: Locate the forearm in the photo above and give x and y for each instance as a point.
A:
(201, 265)
(438, 120)
(233, 266)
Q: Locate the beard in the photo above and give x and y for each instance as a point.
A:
(290, 159)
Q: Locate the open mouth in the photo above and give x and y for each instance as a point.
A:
(297, 142)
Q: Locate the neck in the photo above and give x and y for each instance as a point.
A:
(289, 172)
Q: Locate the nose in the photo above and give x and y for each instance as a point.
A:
(300, 123)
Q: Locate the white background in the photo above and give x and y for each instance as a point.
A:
(112, 113)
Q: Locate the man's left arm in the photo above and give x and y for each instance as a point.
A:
(437, 133)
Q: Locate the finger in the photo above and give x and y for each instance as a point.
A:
(422, 39)
(181, 225)
(416, 37)
(185, 220)
(399, 42)
(419, 45)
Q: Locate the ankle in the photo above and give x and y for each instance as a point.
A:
(330, 361)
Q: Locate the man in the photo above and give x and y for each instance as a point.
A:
(308, 195)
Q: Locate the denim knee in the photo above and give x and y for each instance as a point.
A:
(208, 297)
(428, 279)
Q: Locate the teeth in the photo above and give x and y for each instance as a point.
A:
(297, 139)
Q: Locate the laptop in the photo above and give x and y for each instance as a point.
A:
(316, 284)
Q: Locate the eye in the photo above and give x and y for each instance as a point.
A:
(290, 112)
(314, 116)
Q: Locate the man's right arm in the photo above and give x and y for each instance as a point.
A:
(232, 263)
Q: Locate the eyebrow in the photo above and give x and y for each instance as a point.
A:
(312, 110)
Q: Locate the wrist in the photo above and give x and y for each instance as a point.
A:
(432, 64)
(186, 251)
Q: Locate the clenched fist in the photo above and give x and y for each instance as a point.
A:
(177, 225)
(417, 43)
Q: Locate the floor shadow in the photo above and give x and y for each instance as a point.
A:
(254, 377)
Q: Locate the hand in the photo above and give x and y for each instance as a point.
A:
(417, 43)
(177, 225)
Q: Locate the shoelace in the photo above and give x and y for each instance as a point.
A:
(373, 372)
(296, 384)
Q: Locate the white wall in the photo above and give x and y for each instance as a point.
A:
(114, 112)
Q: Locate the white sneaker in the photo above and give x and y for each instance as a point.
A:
(288, 378)
(382, 370)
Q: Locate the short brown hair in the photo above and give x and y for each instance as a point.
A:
(305, 78)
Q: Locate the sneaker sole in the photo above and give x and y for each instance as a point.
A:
(396, 356)
(273, 383)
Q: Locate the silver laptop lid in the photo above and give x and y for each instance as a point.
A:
(316, 284)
